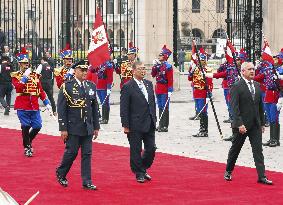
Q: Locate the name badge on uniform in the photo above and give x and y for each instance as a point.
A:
(91, 92)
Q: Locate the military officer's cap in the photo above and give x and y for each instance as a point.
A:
(165, 52)
(82, 64)
(23, 56)
(132, 49)
(66, 53)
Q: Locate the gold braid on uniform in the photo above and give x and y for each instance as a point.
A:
(73, 103)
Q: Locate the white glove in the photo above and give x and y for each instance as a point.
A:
(280, 76)
(279, 104)
(39, 69)
(209, 75)
(108, 91)
(156, 62)
(169, 94)
(71, 71)
(27, 72)
(115, 61)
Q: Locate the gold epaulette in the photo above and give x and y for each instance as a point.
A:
(57, 71)
(16, 74)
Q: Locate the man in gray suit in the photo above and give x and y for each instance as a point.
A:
(248, 120)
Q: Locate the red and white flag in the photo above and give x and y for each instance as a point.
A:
(98, 52)
(194, 55)
(266, 54)
(229, 52)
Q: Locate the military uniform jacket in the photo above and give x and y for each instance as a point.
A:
(27, 93)
(78, 109)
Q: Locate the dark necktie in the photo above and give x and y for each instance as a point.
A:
(82, 89)
(252, 89)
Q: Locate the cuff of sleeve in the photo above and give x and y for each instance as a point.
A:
(46, 102)
(170, 89)
(24, 79)
(109, 86)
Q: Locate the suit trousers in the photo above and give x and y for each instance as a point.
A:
(48, 89)
(73, 144)
(140, 162)
(255, 138)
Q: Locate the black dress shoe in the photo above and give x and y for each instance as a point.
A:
(227, 121)
(265, 181)
(147, 176)
(274, 143)
(89, 187)
(228, 176)
(140, 179)
(62, 180)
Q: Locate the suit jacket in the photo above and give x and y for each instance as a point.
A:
(136, 113)
(78, 111)
(245, 110)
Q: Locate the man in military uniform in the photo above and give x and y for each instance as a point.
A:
(125, 69)
(78, 123)
(6, 86)
(272, 94)
(46, 80)
(103, 87)
(65, 72)
(202, 88)
(163, 72)
(28, 89)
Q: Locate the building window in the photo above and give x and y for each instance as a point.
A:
(196, 6)
(219, 6)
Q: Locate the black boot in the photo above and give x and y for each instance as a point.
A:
(271, 129)
(202, 129)
(276, 134)
(105, 115)
(32, 135)
(162, 121)
(26, 141)
(160, 111)
(166, 120)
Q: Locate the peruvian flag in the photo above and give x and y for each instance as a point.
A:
(230, 50)
(266, 54)
(98, 52)
(194, 55)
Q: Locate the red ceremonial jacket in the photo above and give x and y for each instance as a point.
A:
(27, 93)
(199, 91)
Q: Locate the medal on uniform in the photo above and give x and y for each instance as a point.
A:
(91, 92)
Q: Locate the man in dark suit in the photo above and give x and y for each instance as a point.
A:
(138, 117)
(78, 123)
(248, 120)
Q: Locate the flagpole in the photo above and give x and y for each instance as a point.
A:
(208, 92)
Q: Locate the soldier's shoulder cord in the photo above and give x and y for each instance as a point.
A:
(16, 74)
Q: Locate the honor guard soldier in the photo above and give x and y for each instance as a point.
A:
(28, 90)
(163, 72)
(125, 69)
(269, 77)
(202, 88)
(65, 72)
(103, 87)
(6, 86)
(78, 123)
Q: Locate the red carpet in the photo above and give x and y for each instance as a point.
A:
(176, 180)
